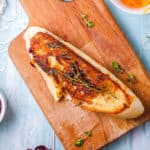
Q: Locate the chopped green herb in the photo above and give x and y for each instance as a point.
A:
(53, 72)
(131, 78)
(88, 133)
(75, 69)
(117, 67)
(75, 76)
(90, 24)
(112, 94)
(84, 16)
(79, 142)
(66, 56)
(57, 44)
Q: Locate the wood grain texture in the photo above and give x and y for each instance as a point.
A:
(104, 43)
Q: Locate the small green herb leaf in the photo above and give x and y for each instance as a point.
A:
(131, 78)
(117, 67)
(90, 24)
(79, 142)
(148, 37)
(76, 76)
(88, 133)
(112, 94)
(66, 56)
(84, 16)
(57, 44)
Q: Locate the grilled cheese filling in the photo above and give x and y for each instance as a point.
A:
(75, 77)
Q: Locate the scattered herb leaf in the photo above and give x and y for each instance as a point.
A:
(79, 142)
(84, 16)
(70, 74)
(75, 76)
(78, 78)
(88, 133)
(90, 24)
(57, 44)
(112, 94)
(66, 56)
(75, 69)
(131, 78)
(53, 72)
(117, 67)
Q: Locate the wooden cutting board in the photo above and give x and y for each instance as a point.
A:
(104, 43)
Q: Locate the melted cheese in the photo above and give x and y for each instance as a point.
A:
(107, 103)
(54, 63)
(101, 103)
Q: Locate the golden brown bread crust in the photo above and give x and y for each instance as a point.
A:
(43, 46)
(77, 77)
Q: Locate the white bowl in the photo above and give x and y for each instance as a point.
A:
(139, 11)
(3, 105)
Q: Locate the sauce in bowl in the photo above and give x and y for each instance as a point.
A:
(135, 3)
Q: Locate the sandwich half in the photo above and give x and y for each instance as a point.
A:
(70, 74)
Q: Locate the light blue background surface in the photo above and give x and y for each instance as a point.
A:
(25, 126)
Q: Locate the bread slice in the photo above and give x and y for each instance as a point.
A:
(105, 103)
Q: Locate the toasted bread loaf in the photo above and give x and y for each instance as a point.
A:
(122, 102)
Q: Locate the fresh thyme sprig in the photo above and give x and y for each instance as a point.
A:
(131, 78)
(118, 68)
(76, 76)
